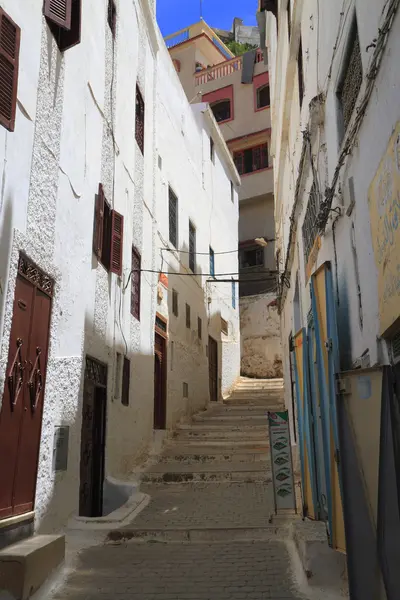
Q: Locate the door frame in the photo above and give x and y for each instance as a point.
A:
(162, 332)
(214, 341)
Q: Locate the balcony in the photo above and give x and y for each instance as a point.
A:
(223, 69)
(200, 28)
(257, 184)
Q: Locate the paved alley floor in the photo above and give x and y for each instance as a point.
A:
(205, 535)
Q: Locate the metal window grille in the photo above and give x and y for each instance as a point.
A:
(221, 110)
(192, 247)
(251, 159)
(135, 286)
(233, 294)
(161, 324)
(212, 262)
(188, 316)
(251, 257)
(396, 347)
(173, 218)
(139, 120)
(199, 328)
(175, 310)
(351, 79)
(310, 225)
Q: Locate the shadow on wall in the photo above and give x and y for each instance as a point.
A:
(343, 324)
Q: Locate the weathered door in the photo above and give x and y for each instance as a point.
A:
(213, 368)
(93, 435)
(160, 382)
(22, 406)
(327, 348)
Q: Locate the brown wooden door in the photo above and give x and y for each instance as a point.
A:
(22, 406)
(213, 368)
(160, 383)
(92, 449)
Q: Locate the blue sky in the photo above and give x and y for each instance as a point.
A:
(173, 15)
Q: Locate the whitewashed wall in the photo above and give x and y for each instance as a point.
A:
(62, 148)
(319, 28)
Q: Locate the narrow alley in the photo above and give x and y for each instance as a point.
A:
(205, 533)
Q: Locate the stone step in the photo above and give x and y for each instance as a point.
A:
(236, 410)
(276, 404)
(195, 455)
(251, 434)
(224, 445)
(212, 472)
(25, 565)
(225, 426)
(231, 420)
(243, 381)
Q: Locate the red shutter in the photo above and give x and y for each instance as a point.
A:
(69, 38)
(58, 12)
(117, 234)
(98, 222)
(126, 380)
(10, 35)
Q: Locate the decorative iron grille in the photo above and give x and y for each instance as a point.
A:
(29, 270)
(135, 287)
(192, 247)
(310, 225)
(352, 78)
(96, 371)
(173, 218)
(139, 120)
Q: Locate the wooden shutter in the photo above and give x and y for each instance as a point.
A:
(10, 35)
(69, 38)
(58, 12)
(126, 380)
(135, 285)
(98, 223)
(117, 234)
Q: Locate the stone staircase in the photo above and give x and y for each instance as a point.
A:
(228, 442)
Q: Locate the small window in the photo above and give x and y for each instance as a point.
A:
(289, 16)
(251, 257)
(310, 224)
(187, 316)
(112, 16)
(233, 294)
(221, 110)
(118, 377)
(224, 326)
(192, 247)
(251, 159)
(199, 328)
(108, 234)
(351, 80)
(175, 305)
(139, 120)
(185, 388)
(212, 262)
(232, 192)
(64, 20)
(173, 218)
(159, 162)
(300, 73)
(135, 285)
(212, 150)
(126, 380)
(10, 35)
(263, 98)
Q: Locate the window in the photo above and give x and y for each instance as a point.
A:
(118, 377)
(263, 98)
(192, 247)
(232, 192)
(221, 110)
(187, 316)
(212, 262)
(251, 257)
(224, 326)
(212, 150)
(310, 225)
(10, 35)
(251, 159)
(64, 20)
(108, 233)
(233, 294)
(185, 389)
(289, 14)
(175, 306)
(112, 16)
(173, 218)
(199, 328)
(159, 162)
(139, 120)
(351, 79)
(300, 73)
(135, 284)
(126, 380)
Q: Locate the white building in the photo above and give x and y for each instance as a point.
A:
(99, 146)
(335, 85)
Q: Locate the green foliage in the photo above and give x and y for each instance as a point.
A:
(238, 49)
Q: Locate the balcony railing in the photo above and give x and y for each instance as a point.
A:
(223, 69)
(177, 38)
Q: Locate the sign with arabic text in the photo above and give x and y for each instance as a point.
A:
(281, 461)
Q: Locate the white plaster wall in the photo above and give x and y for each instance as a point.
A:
(261, 350)
(322, 71)
(75, 129)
